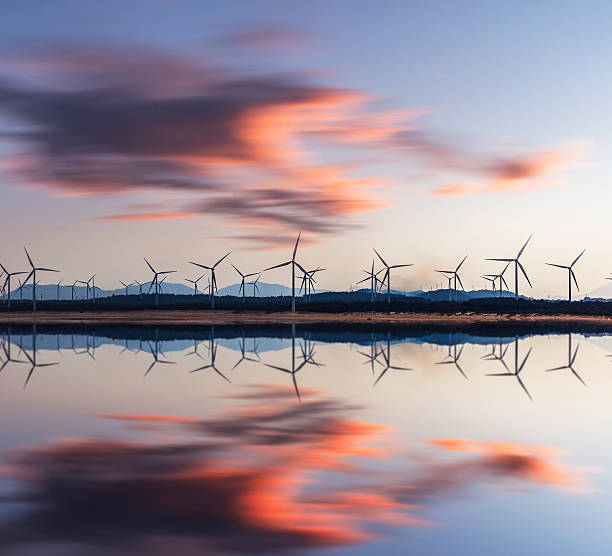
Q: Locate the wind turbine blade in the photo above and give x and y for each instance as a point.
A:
(150, 286)
(222, 258)
(29, 258)
(401, 265)
(574, 277)
(558, 368)
(368, 278)
(524, 273)
(460, 283)
(444, 271)
(574, 357)
(576, 259)
(300, 267)
(149, 264)
(296, 246)
(459, 266)
(523, 248)
(47, 269)
(501, 260)
(504, 281)
(524, 388)
(524, 361)
(277, 368)
(166, 272)
(557, 265)
(237, 270)
(381, 259)
(277, 266)
(200, 265)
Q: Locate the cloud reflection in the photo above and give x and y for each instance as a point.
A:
(259, 477)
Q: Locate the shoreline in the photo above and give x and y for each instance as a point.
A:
(248, 318)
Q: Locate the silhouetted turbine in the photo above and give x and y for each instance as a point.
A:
(254, 284)
(243, 276)
(7, 283)
(517, 265)
(126, 286)
(387, 275)
(33, 276)
(571, 275)
(454, 274)
(293, 264)
(374, 280)
(155, 280)
(195, 283)
(213, 279)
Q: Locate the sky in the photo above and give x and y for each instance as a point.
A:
(178, 131)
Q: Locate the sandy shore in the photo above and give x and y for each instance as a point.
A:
(173, 318)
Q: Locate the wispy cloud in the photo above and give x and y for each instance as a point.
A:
(101, 119)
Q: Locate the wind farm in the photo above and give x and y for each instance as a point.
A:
(376, 295)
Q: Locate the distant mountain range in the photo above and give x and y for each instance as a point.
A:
(50, 292)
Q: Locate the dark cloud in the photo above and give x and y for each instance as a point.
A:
(109, 119)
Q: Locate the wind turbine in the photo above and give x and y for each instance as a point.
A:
(213, 279)
(293, 370)
(570, 272)
(32, 358)
(387, 361)
(254, 284)
(7, 282)
(454, 274)
(6, 348)
(73, 288)
(387, 275)
(139, 288)
(308, 281)
(517, 368)
(156, 351)
(293, 264)
(570, 360)
(33, 276)
(91, 281)
(454, 359)
(161, 284)
(243, 276)
(155, 280)
(126, 286)
(374, 280)
(213, 356)
(490, 278)
(243, 353)
(195, 283)
(517, 265)
(501, 279)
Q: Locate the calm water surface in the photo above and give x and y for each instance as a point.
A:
(242, 441)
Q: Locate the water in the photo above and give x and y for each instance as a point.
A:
(229, 440)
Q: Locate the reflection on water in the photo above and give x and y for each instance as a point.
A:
(243, 440)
